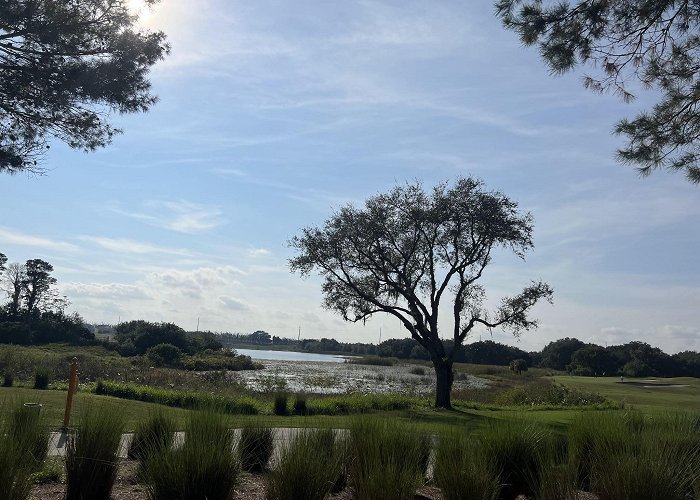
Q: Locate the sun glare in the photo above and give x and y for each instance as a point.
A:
(141, 9)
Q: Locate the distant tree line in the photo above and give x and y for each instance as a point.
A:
(634, 359)
(34, 311)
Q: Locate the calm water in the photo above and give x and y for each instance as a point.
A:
(290, 356)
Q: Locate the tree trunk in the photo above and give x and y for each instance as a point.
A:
(443, 388)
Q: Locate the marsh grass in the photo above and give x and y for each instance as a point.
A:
(205, 467)
(155, 434)
(519, 451)
(92, 454)
(41, 378)
(628, 455)
(299, 405)
(309, 467)
(280, 404)
(255, 448)
(387, 458)
(23, 446)
(461, 471)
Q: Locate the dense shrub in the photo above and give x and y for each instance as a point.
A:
(8, 379)
(92, 453)
(164, 355)
(255, 448)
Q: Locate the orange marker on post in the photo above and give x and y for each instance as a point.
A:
(72, 386)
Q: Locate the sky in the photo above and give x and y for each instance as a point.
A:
(273, 113)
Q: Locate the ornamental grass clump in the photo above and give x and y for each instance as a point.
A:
(520, 451)
(280, 404)
(387, 458)
(205, 467)
(462, 471)
(255, 448)
(41, 378)
(309, 467)
(92, 454)
(153, 435)
(627, 456)
(23, 446)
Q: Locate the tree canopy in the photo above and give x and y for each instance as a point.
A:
(408, 249)
(652, 42)
(64, 66)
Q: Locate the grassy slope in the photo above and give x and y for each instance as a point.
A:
(648, 399)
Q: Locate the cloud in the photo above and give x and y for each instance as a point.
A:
(181, 216)
(126, 246)
(99, 291)
(233, 304)
(259, 252)
(11, 237)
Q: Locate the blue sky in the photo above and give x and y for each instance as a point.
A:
(272, 113)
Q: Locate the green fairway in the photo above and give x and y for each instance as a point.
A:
(649, 394)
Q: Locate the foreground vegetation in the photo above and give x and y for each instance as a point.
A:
(616, 455)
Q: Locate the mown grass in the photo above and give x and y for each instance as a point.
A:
(660, 396)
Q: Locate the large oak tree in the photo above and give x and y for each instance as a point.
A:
(64, 66)
(652, 42)
(408, 251)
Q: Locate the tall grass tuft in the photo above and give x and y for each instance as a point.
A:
(23, 445)
(299, 405)
(41, 378)
(628, 456)
(387, 458)
(255, 448)
(519, 451)
(92, 453)
(280, 404)
(462, 471)
(205, 467)
(309, 467)
(153, 435)
(8, 379)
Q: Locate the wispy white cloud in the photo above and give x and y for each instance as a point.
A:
(12, 237)
(179, 215)
(127, 246)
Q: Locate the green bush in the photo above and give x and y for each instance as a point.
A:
(92, 453)
(164, 355)
(462, 471)
(41, 378)
(153, 435)
(387, 458)
(255, 448)
(280, 404)
(8, 379)
(309, 467)
(204, 468)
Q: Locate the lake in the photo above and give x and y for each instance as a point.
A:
(290, 356)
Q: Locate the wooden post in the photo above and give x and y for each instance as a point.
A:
(72, 387)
